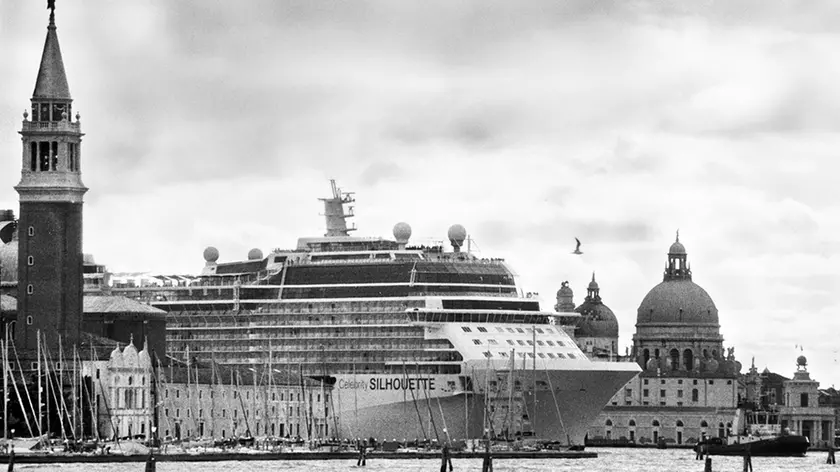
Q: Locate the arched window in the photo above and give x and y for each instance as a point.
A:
(655, 423)
(704, 424)
(632, 422)
(680, 424)
(130, 380)
(609, 422)
(675, 359)
(646, 356)
(695, 395)
(688, 359)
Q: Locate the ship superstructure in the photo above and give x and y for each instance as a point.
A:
(413, 341)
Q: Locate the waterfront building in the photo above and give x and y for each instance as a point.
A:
(796, 402)
(689, 386)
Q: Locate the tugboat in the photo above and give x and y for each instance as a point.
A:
(764, 436)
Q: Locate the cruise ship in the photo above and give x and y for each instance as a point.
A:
(412, 340)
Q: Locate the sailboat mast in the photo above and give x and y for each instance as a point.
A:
(5, 344)
(40, 402)
(534, 371)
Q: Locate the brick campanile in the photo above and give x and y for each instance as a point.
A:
(50, 280)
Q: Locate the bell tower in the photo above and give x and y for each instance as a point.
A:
(50, 280)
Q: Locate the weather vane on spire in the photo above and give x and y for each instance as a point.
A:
(678, 235)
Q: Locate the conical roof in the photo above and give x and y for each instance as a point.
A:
(52, 81)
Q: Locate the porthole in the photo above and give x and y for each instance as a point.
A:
(30, 260)
(31, 231)
(29, 320)
(30, 289)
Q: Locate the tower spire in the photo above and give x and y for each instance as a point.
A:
(51, 194)
(52, 80)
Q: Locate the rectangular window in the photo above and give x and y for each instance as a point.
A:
(679, 393)
(482, 329)
(646, 381)
(803, 399)
(662, 393)
(477, 342)
(628, 392)
(466, 329)
(645, 392)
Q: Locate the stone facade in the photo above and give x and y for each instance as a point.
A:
(689, 387)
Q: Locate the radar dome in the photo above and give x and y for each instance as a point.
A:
(457, 234)
(402, 231)
(254, 254)
(211, 254)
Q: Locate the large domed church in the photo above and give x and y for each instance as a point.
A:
(688, 388)
(677, 327)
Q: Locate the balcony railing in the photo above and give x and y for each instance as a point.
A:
(51, 126)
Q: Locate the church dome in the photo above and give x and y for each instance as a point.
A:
(677, 248)
(565, 291)
(677, 301)
(9, 261)
(596, 319)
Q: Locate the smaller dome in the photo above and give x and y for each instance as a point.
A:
(801, 361)
(253, 255)
(593, 285)
(677, 248)
(565, 290)
(402, 231)
(457, 234)
(88, 259)
(211, 254)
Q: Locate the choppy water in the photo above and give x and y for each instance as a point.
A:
(647, 460)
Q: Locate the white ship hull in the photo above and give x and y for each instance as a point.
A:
(392, 407)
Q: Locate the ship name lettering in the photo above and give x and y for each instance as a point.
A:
(402, 384)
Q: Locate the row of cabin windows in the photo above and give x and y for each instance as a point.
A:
(43, 156)
(482, 329)
(541, 355)
(521, 342)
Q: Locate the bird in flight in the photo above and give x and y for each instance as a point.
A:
(577, 248)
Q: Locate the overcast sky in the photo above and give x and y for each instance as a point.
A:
(530, 123)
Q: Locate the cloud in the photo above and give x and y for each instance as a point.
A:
(616, 122)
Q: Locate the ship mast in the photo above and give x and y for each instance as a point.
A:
(334, 213)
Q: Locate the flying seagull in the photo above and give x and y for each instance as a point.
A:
(577, 248)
